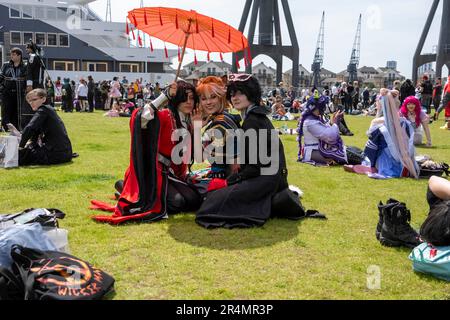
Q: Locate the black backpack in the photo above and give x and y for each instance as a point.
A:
(49, 275)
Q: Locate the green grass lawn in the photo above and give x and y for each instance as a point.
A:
(176, 259)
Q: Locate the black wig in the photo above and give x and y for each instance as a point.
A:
(436, 228)
(181, 97)
(250, 88)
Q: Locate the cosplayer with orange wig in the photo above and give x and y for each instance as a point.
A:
(217, 124)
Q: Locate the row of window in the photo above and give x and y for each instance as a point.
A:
(40, 38)
(96, 66)
(17, 11)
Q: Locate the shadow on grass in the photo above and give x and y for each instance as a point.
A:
(184, 229)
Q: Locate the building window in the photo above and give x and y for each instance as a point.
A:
(64, 40)
(16, 38)
(52, 39)
(27, 12)
(40, 38)
(64, 65)
(97, 67)
(27, 36)
(51, 13)
(14, 11)
(39, 13)
(129, 67)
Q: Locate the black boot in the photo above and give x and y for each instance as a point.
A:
(382, 209)
(396, 230)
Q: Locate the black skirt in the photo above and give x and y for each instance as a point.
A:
(243, 205)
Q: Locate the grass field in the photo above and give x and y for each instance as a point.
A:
(176, 259)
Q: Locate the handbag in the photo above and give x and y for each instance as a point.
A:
(9, 151)
(434, 261)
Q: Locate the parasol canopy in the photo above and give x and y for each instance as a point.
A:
(188, 29)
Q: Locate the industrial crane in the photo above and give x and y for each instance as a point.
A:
(108, 11)
(356, 55)
(318, 57)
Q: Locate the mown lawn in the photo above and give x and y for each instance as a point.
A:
(176, 259)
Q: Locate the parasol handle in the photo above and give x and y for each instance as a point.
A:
(186, 38)
(182, 56)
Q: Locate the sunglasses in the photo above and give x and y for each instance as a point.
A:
(239, 77)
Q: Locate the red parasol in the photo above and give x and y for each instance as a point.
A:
(188, 29)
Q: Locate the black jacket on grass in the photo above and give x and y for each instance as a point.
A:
(54, 147)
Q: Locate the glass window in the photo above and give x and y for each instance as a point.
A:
(125, 68)
(16, 38)
(51, 13)
(91, 67)
(27, 12)
(52, 39)
(40, 39)
(27, 36)
(39, 13)
(63, 40)
(135, 68)
(102, 67)
(64, 66)
(14, 11)
(60, 66)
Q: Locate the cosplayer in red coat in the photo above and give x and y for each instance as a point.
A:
(154, 186)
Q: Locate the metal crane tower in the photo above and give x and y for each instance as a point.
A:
(318, 57)
(442, 54)
(269, 40)
(356, 55)
(108, 11)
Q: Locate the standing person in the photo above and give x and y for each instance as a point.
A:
(91, 93)
(426, 90)
(12, 89)
(407, 89)
(245, 199)
(157, 90)
(366, 98)
(50, 92)
(114, 92)
(437, 96)
(35, 69)
(397, 85)
(67, 96)
(349, 99)
(445, 104)
(58, 94)
(356, 95)
(54, 146)
(335, 94)
(82, 93)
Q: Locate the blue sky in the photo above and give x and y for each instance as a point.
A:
(390, 30)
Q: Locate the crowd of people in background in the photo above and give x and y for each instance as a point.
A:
(355, 99)
(118, 97)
